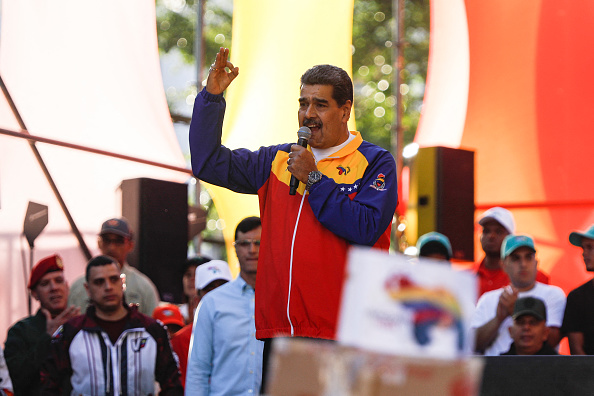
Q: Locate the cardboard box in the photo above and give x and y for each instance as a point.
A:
(305, 367)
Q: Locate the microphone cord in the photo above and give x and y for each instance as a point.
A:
(291, 263)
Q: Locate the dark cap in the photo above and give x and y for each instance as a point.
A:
(45, 265)
(530, 306)
(118, 226)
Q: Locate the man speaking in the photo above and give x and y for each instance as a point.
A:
(347, 195)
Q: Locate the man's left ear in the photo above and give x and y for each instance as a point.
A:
(346, 107)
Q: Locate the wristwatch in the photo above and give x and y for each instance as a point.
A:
(313, 178)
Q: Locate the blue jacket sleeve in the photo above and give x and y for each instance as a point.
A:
(364, 219)
(240, 170)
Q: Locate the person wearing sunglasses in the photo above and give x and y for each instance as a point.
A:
(116, 240)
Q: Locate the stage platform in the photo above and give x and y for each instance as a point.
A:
(538, 375)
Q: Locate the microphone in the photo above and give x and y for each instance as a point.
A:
(303, 134)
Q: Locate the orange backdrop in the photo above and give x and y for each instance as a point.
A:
(521, 80)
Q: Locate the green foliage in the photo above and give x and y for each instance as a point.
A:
(176, 26)
(373, 66)
(176, 29)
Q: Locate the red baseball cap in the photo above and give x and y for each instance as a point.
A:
(43, 266)
(169, 314)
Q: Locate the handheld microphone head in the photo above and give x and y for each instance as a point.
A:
(304, 133)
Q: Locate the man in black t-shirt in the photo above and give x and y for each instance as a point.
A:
(578, 321)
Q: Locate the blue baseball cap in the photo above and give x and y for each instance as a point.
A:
(575, 238)
(118, 226)
(437, 238)
(513, 242)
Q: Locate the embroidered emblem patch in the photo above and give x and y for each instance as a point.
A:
(379, 183)
(138, 344)
(214, 270)
(342, 170)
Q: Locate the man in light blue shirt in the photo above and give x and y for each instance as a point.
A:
(225, 357)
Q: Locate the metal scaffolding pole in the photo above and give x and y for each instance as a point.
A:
(397, 132)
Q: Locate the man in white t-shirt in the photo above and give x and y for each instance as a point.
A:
(492, 316)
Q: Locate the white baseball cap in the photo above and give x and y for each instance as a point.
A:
(500, 215)
(211, 271)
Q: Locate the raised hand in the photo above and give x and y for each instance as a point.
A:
(507, 300)
(218, 77)
(52, 324)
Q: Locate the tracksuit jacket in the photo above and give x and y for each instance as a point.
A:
(83, 358)
(26, 348)
(305, 237)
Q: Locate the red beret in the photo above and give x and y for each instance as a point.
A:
(45, 265)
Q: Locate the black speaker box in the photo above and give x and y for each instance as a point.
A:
(442, 198)
(158, 214)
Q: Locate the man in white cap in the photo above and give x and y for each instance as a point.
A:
(578, 321)
(209, 276)
(117, 240)
(493, 314)
(496, 223)
(225, 357)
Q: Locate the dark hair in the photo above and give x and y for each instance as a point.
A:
(98, 262)
(434, 247)
(196, 260)
(248, 224)
(330, 75)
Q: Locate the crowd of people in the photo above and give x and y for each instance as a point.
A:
(112, 347)
(518, 312)
(109, 334)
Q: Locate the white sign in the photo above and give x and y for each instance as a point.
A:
(406, 306)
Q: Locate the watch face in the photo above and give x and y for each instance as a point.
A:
(313, 177)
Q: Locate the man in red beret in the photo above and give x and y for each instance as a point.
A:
(28, 341)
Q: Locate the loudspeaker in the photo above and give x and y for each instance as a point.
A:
(36, 219)
(442, 198)
(157, 211)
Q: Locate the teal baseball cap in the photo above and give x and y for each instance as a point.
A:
(575, 238)
(513, 242)
(434, 238)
